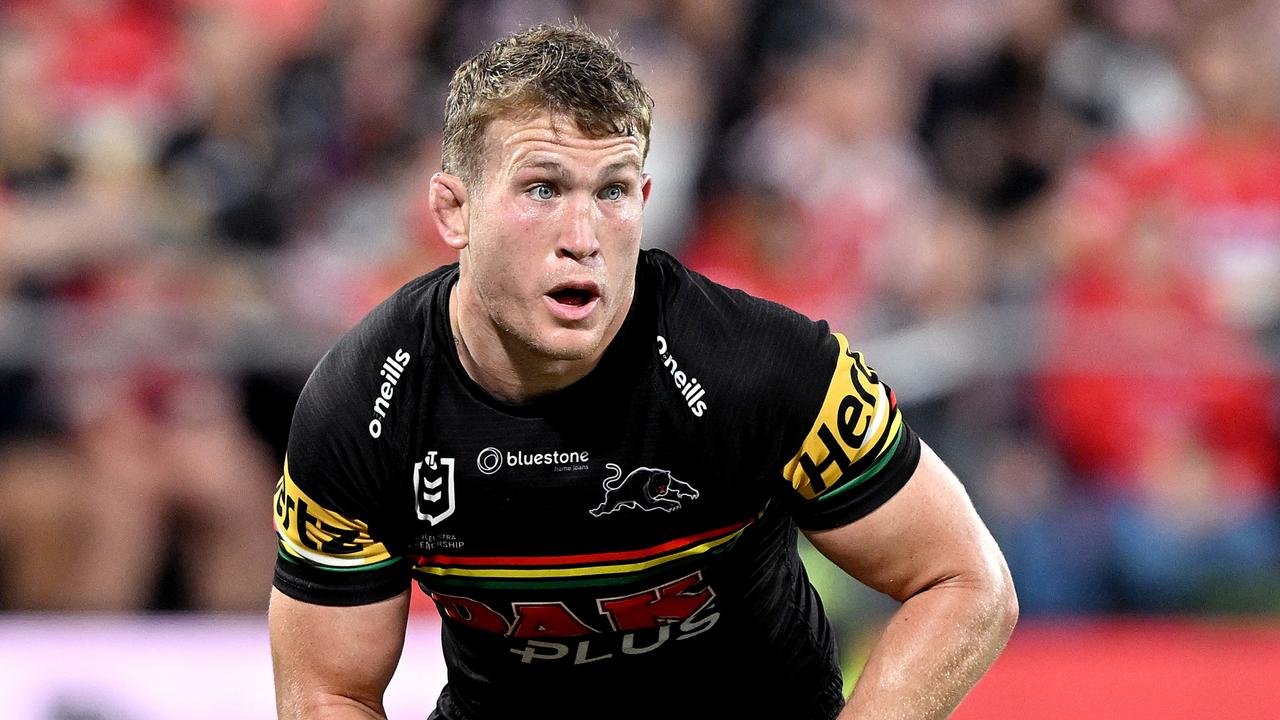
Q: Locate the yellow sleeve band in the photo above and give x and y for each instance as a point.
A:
(849, 434)
(313, 533)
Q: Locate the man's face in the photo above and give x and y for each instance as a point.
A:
(553, 236)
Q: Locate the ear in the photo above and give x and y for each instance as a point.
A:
(449, 209)
(645, 187)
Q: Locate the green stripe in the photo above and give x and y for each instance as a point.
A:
(361, 568)
(870, 471)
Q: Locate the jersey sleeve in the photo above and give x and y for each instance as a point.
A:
(336, 544)
(856, 452)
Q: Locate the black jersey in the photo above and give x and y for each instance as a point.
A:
(624, 547)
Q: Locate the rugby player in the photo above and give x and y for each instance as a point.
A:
(595, 461)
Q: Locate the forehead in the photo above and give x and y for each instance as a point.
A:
(515, 142)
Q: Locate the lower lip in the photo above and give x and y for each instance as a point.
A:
(571, 313)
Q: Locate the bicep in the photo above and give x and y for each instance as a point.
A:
(332, 655)
(927, 533)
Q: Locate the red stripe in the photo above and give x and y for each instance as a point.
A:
(579, 559)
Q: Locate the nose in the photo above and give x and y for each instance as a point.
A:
(579, 240)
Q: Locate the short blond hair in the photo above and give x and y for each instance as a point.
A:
(566, 70)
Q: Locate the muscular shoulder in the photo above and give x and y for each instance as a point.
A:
(354, 411)
(759, 348)
(339, 537)
(352, 389)
(788, 393)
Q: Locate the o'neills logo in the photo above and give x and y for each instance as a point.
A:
(689, 387)
(392, 368)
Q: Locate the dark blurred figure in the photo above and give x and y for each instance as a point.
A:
(997, 130)
(824, 190)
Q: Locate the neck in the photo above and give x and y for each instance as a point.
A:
(505, 367)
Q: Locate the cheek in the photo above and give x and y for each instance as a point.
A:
(504, 262)
(506, 233)
(621, 232)
(618, 232)
(527, 215)
(626, 217)
(501, 272)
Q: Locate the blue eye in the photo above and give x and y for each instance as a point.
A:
(542, 192)
(613, 192)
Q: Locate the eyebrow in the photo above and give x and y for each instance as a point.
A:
(550, 166)
(555, 168)
(614, 167)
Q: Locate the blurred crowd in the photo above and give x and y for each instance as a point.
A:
(1064, 214)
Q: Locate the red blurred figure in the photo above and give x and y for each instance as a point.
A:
(1157, 384)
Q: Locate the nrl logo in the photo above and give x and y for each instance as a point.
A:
(643, 489)
(433, 488)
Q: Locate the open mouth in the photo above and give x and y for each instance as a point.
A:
(573, 302)
(574, 297)
(575, 294)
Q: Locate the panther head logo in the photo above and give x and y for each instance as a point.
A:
(643, 489)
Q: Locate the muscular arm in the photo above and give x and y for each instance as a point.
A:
(927, 548)
(333, 663)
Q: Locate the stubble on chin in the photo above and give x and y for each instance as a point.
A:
(582, 345)
(542, 346)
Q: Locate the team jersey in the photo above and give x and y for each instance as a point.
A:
(624, 547)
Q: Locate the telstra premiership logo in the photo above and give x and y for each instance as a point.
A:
(433, 487)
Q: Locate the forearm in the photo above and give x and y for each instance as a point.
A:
(933, 650)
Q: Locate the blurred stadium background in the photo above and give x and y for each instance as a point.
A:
(1053, 225)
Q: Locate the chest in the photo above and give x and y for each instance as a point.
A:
(616, 469)
(628, 500)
